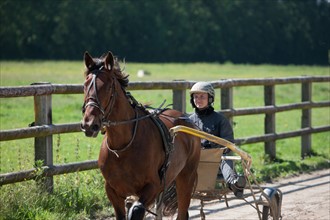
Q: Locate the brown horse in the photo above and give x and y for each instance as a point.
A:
(132, 158)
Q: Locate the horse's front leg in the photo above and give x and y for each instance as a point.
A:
(147, 197)
(117, 202)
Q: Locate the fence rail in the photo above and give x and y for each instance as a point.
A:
(44, 129)
(38, 89)
(47, 171)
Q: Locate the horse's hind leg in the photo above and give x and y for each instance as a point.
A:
(184, 191)
(117, 202)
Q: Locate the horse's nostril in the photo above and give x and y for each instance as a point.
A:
(95, 127)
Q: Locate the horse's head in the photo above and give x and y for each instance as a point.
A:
(99, 91)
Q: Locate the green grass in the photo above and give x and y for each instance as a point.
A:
(81, 195)
(76, 196)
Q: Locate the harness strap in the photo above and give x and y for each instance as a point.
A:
(167, 143)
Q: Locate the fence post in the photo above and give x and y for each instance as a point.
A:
(179, 99)
(227, 101)
(306, 140)
(270, 122)
(43, 146)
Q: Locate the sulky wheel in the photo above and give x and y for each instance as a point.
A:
(265, 212)
(271, 199)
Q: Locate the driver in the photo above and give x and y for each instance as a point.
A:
(215, 123)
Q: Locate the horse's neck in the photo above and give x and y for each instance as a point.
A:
(122, 111)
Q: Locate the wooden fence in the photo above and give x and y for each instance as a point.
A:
(43, 129)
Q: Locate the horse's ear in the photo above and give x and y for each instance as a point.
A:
(109, 61)
(88, 60)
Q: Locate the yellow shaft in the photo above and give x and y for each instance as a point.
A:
(214, 139)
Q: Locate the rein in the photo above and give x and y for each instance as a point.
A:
(136, 120)
(114, 123)
(131, 141)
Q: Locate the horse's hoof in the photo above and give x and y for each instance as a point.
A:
(136, 212)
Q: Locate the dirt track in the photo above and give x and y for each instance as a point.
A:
(306, 196)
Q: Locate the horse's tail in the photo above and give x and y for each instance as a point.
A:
(170, 201)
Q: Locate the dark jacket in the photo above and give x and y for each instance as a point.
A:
(214, 123)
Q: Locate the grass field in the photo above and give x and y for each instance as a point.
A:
(81, 195)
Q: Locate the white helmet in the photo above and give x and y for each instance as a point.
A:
(202, 87)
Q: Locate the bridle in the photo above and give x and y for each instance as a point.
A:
(105, 121)
(94, 101)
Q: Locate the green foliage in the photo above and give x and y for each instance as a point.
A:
(280, 32)
(75, 197)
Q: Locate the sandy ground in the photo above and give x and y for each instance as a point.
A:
(306, 196)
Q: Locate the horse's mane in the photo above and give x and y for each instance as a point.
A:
(121, 76)
(119, 73)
